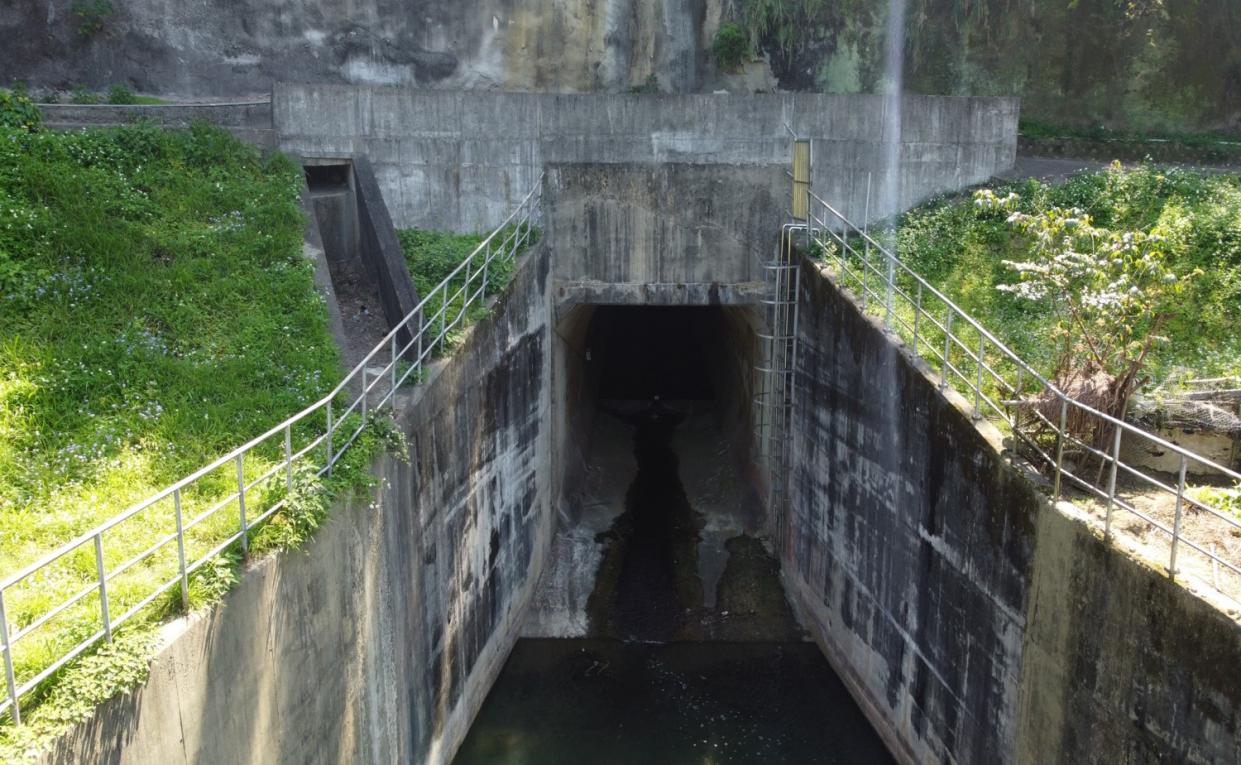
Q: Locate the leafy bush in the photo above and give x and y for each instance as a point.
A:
(730, 47)
(1224, 500)
(81, 95)
(119, 94)
(92, 15)
(961, 249)
(19, 112)
(1110, 292)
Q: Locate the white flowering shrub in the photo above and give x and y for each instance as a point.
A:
(1111, 292)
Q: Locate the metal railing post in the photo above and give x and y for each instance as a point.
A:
(443, 313)
(982, 350)
(417, 362)
(890, 258)
(327, 439)
(1064, 416)
(1013, 411)
(917, 320)
(487, 266)
(365, 392)
(392, 351)
(241, 503)
(947, 368)
(103, 587)
(288, 457)
(1176, 524)
(865, 247)
(185, 578)
(9, 675)
(1111, 485)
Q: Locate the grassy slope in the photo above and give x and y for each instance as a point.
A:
(155, 312)
(431, 257)
(959, 249)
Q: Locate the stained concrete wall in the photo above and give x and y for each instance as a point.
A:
(668, 234)
(378, 641)
(462, 160)
(974, 622)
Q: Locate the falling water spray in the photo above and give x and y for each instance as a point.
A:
(894, 62)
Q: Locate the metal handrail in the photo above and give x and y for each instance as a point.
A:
(837, 236)
(431, 331)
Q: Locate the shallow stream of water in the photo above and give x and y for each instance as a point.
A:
(607, 701)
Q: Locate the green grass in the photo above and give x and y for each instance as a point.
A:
(1039, 129)
(959, 249)
(431, 257)
(156, 312)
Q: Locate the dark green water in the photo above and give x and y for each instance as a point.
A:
(605, 701)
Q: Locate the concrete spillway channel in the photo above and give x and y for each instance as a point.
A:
(684, 648)
(576, 562)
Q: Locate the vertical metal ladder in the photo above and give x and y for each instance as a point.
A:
(777, 366)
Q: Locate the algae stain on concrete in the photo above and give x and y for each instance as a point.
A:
(649, 586)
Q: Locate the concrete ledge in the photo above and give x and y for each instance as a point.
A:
(249, 121)
(570, 294)
(255, 115)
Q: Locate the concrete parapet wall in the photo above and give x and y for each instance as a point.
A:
(975, 622)
(461, 160)
(377, 642)
(248, 120)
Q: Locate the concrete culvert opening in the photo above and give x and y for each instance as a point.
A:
(661, 631)
(672, 418)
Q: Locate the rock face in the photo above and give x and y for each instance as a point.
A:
(1094, 62)
(223, 47)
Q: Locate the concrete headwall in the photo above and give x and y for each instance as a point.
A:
(377, 642)
(462, 160)
(974, 622)
(675, 234)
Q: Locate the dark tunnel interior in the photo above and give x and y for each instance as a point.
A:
(644, 353)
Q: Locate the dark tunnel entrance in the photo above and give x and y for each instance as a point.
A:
(646, 353)
(661, 631)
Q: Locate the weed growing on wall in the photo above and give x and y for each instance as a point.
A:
(730, 47)
(92, 16)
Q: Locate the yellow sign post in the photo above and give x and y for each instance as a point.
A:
(801, 179)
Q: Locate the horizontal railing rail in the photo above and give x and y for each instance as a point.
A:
(427, 328)
(1045, 419)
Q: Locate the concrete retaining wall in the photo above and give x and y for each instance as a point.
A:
(462, 160)
(248, 120)
(975, 622)
(379, 640)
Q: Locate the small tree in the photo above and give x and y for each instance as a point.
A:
(1111, 293)
(729, 47)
